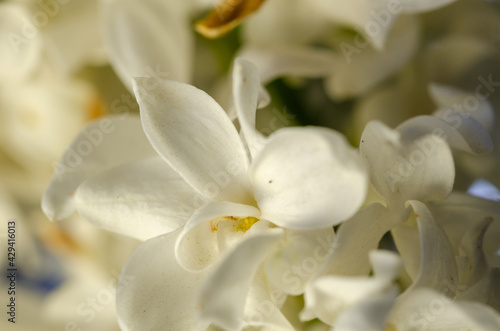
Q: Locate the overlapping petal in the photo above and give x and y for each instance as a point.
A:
(197, 247)
(100, 146)
(132, 30)
(308, 179)
(403, 169)
(194, 135)
(154, 292)
(143, 199)
(224, 293)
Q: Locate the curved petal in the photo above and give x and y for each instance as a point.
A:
(357, 70)
(336, 294)
(103, 144)
(486, 291)
(471, 246)
(466, 104)
(155, 293)
(298, 257)
(224, 293)
(197, 246)
(195, 136)
(246, 86)
(142, 199)
(148, 39)
(403, 169)
(262, 307)
(368, 226)
(426, 309)
(308, 178)
(438, 268)
(463, 133)
(420, 6)
(369, 314)
(274, 61)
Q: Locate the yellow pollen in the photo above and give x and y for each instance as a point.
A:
(246, 223)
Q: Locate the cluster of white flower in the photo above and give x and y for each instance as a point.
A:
(246, 227)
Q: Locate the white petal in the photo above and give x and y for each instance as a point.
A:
(463, 133)
(486, 291)
(437, 260)
(474, 105)
(308, 178)
(472, 247)
(403, 169)
(335, 294)
(197, 246)
(224, 294)
(274, 61)
(298, 257)
(195, 136)
(143, 199)
(246, 85)
(100, 146)
(362, 15)
(419, 6)
(426, 309)
(148, 39)
(262, 308)
(357, 70)
(368, 226)
(155, 293)
(369, 314)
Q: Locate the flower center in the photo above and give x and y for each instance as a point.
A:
(242, 224)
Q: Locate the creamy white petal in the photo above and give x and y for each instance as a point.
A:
(155, 293)
(274, 61)
(246, 85)
(308, 178)
(426, 309)
(224, 293)
(143, 199)
(486, 291)
(463, 133)
(369, 314)
(103, 144)
(437, 260)
(148, 39)
(466, 104)
(419, 6)
(262, 308)
(195, 136)
(348, 257)
(334, 294)
(359, 69)
(471, 246)
(197, 246)
(297, 258)
(404, 169)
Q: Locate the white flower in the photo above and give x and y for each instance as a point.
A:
(246, 194)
